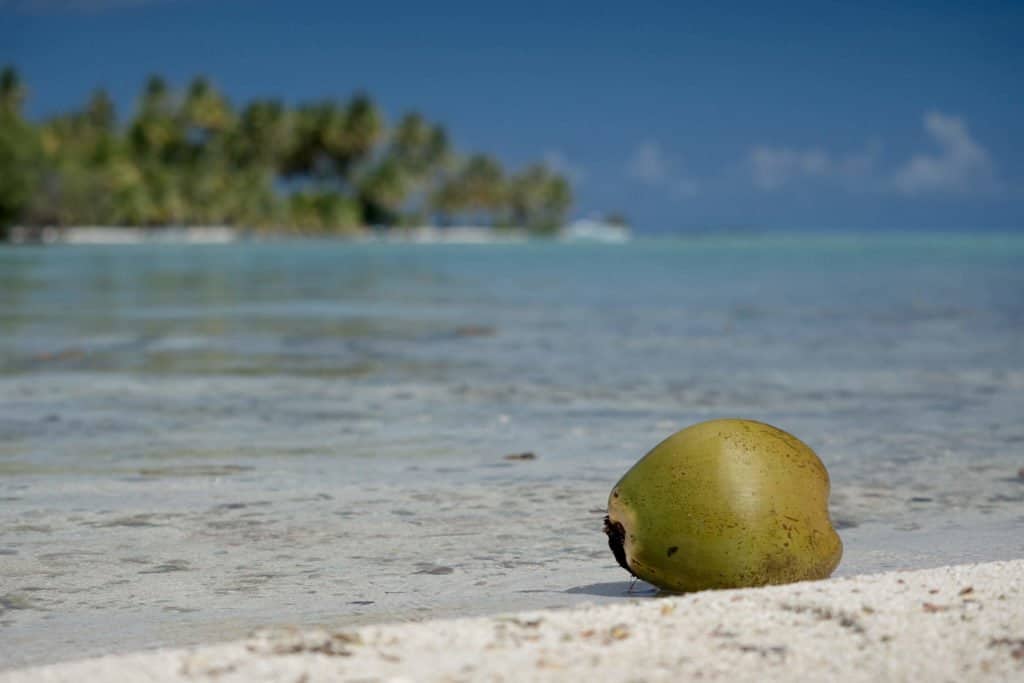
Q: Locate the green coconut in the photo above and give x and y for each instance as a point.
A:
(724, 504)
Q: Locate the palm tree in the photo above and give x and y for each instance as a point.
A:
(418, 146)
(100, 111)
(205, 119)
(477, 188)
(20, 153)
(317, 127)
(404, 173)
(204, 113)
(323, 211)
(381, 192)
(98, 126)
(154, 133)
(538, 199)
(12, 91)
(363, 129)
(192, 159)
(330, 148)
(156, 97)
(262, 135)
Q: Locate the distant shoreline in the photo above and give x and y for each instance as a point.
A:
(461, 234)
(217, 234)
(590, 231)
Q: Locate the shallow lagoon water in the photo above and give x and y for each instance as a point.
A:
(196, 441)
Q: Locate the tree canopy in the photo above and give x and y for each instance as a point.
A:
(189, 157)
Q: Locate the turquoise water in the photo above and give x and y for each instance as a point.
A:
(197, 440)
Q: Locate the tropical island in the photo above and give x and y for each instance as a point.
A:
(191, 158)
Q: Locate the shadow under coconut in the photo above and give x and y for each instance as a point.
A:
(617, 589)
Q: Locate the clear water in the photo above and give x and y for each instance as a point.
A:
(199, 440)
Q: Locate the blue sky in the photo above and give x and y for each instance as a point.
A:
(884, 115)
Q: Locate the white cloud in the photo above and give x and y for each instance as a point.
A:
(558, 162)
(773, 168)
(649, 165)
(962, 165)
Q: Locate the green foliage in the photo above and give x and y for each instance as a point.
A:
(381, 192)
(329, 140)
(476, 188)
(155, 134)
(20, 158)
(418, 147)
(100, 113)
(12, 91)
(20, 153)
(262, 136)
(539, 199)
(323, 212)
(204, 112)
(191, 158)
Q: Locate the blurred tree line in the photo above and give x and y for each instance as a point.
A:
(190, 158)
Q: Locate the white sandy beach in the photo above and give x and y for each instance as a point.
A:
(950, 623)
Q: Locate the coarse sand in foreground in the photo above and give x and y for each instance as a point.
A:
(950, 623)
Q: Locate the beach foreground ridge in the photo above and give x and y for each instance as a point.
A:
(956, 621)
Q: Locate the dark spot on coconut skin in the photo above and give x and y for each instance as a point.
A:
(673, 550)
